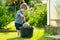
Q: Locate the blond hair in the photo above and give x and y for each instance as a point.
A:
(23, 6)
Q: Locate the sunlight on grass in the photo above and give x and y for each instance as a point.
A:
(5, 36)
(12, 35)
(11, 26)
(37, 33)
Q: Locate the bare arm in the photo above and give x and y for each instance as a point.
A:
(23, 17)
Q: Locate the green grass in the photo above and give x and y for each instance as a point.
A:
(38, 34)
(13, 35)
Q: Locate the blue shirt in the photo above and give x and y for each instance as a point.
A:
(18, 18)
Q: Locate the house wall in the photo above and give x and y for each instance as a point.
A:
(52, 12)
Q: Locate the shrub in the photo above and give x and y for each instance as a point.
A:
(5, 16)
(37, 16)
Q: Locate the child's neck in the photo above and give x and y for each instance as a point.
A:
(22, 10)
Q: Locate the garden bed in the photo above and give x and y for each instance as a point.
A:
(6, 30)
(52, 30)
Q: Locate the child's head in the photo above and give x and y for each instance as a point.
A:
(23, 7)
(22, 1)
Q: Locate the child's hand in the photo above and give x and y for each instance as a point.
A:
(23, 19)
(22, 16)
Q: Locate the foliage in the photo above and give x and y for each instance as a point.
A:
(15, 4)
(5, 16)
(37, 16)
(33, 3)
(2, 2)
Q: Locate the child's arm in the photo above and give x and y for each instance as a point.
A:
(24, 20)
(23, 17)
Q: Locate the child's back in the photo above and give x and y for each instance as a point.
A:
(18, 18)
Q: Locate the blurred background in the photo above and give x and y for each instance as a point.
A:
(37, 17)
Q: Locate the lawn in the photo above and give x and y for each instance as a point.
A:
(13, 35)
(38, 34)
